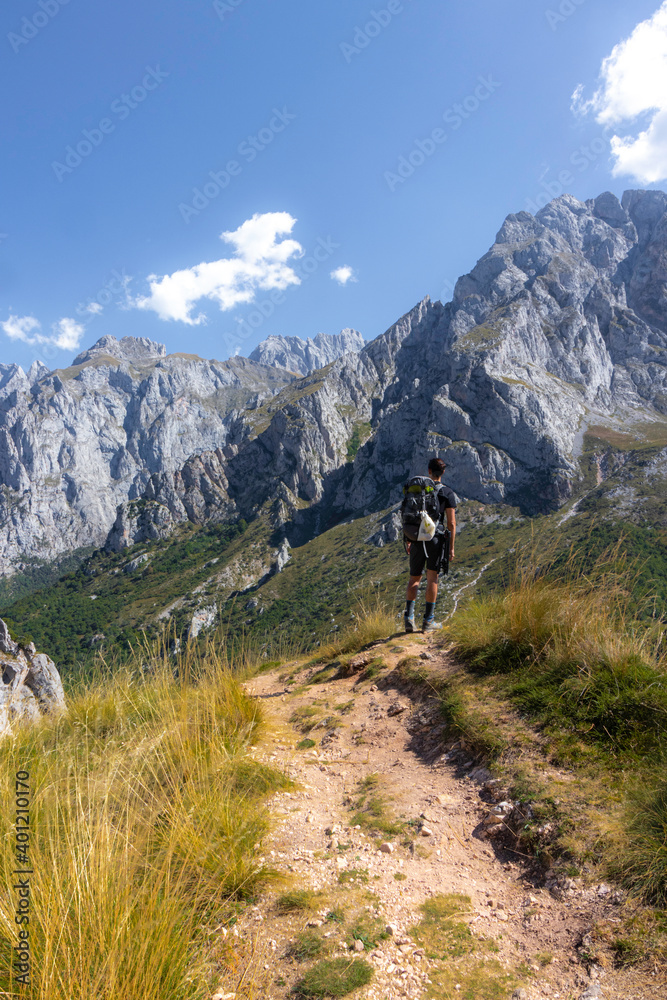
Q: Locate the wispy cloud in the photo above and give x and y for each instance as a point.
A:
(633, 92)
(259, 262)
(66, 334)
(343, 274)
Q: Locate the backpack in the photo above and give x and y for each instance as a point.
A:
(420, 496)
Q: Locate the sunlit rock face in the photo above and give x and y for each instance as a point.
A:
(562, 324)
(125, 418)
(305, 356)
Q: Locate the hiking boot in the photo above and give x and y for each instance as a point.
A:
(431, 625)
(409, 624)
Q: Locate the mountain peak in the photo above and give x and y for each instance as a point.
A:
(304, 356)
(125, 349)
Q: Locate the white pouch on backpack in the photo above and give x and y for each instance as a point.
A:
(426, 529)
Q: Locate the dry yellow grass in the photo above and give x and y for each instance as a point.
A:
(145, 813)
(374, 619)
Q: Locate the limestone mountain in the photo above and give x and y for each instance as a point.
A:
(560, 328)
(78, 442)
(305, 356)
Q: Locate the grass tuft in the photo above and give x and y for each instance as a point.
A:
(307, 945)
(374, 619)
(639, 857)
(296, 899)
(335, 977)
(439, 933)
(371, 809)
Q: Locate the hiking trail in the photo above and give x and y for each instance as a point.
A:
(374, 737)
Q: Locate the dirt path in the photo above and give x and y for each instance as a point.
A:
(527, 942)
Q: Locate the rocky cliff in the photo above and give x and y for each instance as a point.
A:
(305, 356)
(118, 425)
(560, 326)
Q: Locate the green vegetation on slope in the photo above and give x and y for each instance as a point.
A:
(569, 653)
(102, 597)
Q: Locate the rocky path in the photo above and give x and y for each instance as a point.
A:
(372, 738)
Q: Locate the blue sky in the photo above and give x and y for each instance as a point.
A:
(383, 142)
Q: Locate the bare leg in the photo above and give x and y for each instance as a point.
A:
(413, 587)
(431, 586)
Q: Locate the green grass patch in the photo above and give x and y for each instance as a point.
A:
(371, 809)
(369, 930)
(462, 964)
(569, 655)
(638, 858)
(486, 980)
(353, 875)
(307, 945)
(297, 899)
(306, 744)
(335, 977)
(305, 718)
(439, 933)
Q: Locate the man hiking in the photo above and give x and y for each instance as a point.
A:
(442, 501)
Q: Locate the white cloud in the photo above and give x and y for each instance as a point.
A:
(343, 274)
(67, 332)
(259, 262)
(20, 328)
(633, 92)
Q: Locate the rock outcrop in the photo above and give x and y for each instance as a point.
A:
(195, 493)
(306, 356)
(31, 685)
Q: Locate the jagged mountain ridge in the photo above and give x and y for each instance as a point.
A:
(78, 442)
(560, 326)
(305, 356)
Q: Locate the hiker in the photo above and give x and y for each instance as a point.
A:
(427, 502)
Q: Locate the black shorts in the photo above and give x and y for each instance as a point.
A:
(430, 558)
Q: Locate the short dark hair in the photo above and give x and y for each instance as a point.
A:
(436, 465)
